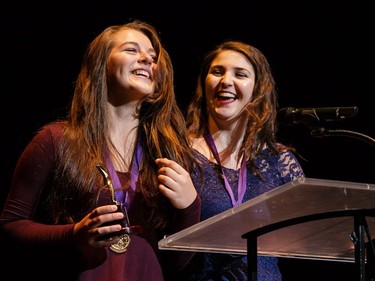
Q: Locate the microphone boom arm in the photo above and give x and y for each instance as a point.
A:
(323, 132)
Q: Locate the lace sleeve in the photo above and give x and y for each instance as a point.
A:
(289, 166)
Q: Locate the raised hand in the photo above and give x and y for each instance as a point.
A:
(175, 183)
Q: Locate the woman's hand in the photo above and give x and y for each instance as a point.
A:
(175, 183)
(92, 230)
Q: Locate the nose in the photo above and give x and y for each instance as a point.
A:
(226, 79)
(145, 58)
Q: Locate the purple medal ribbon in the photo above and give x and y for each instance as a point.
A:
(134, 172)
(242, 176)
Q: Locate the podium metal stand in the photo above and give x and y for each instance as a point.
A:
(306, 218)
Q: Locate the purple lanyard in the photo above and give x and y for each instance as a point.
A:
(242, 176)
(134, 172)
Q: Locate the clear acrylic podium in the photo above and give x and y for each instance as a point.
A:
(306, 218)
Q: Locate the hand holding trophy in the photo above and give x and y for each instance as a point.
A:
(122, 245)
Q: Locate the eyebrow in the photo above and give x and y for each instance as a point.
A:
(235, 68)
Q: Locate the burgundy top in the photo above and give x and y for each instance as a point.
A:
(42, 251)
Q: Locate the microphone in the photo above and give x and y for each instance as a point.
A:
(291, 116)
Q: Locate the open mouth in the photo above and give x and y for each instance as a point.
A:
(226, 96)
(141, 72)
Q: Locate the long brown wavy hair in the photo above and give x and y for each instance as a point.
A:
(261, 110)
(162, 132)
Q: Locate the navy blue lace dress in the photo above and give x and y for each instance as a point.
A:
(276, 170)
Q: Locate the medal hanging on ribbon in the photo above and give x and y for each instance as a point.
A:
(122, 245)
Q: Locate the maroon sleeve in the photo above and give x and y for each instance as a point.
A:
(38, 249)
(30, 177)
(186, 217)
(174, 261)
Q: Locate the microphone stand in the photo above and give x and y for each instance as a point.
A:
(360, 224)
(323, 132)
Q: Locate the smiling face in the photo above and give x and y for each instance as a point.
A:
(131, 66)
(229, 86)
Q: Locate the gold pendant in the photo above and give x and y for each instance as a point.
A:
(122, 245)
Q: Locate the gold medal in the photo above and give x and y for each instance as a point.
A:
(122, 245)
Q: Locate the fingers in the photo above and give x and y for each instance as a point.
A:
(103, 214)
(105, 209)
(175, 183)
(167, 175)
(97, 227)
(171, 173)
(172, 165)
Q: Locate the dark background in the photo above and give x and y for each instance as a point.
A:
(321, 53)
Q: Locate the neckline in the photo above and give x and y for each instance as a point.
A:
(242, 178)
